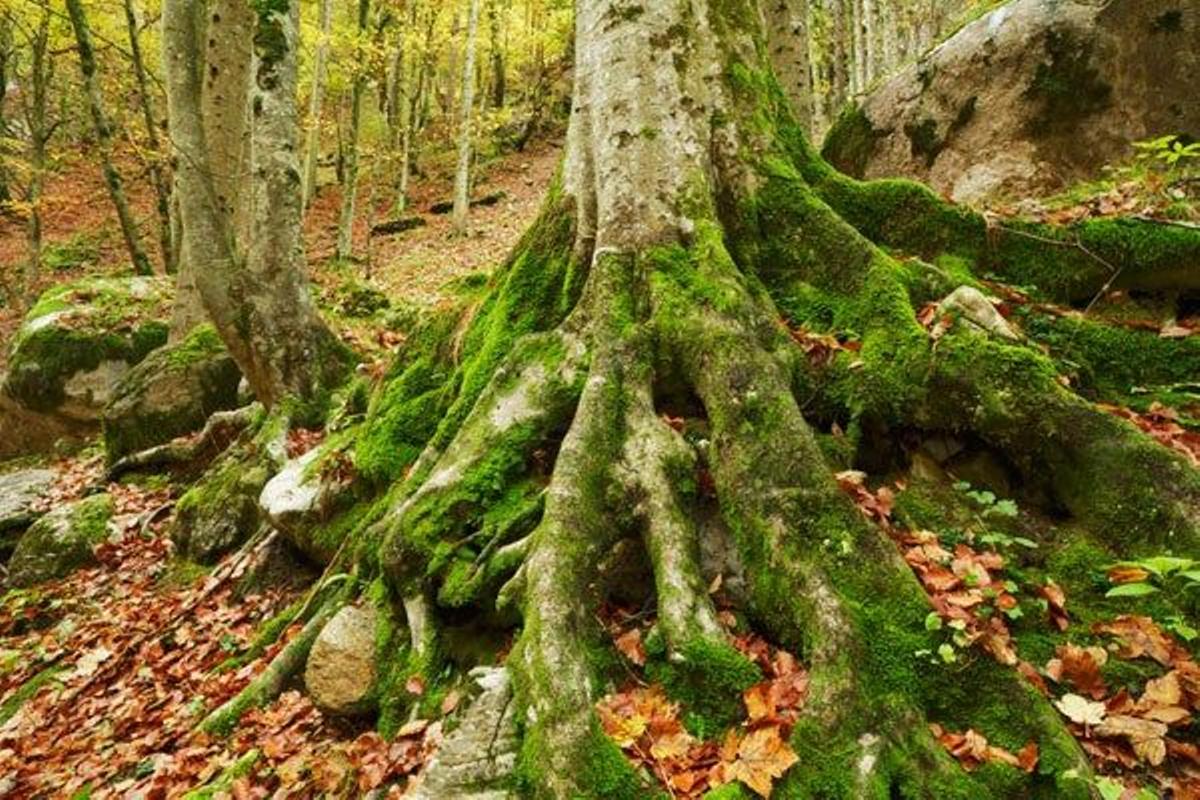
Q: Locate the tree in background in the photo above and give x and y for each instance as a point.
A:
(252, 282)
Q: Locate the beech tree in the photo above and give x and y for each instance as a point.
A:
(692, 218)
(244, 252)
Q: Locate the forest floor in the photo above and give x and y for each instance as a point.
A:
(81, 236)
(104, 675)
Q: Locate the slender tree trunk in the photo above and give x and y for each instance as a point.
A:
(259, 300)
(345, 240)
(37, 119)
(158, 172)
(312, 144)
(462, 175)
(499, 82)
(104, 137)
(6, 51)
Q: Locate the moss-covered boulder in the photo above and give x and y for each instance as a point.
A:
(221, 511)
(74, 346)
(1032, 97)
(60, 542)
(170, 393)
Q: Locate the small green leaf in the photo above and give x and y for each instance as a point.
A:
(946, 651)
(933, 622)
(1131, 590)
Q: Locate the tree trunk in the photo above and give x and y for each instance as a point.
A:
(104, 137)
(258, 300)
(462, 174)
(345, 240)
(158, 172)
(37, 120)
(222, 48)
(312, 145)
(6, 52)
(499, 77)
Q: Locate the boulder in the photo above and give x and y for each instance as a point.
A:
(72, 349)
(60, 542)
(20, 490)
(171, 393)
(340, 673)
(1029, 98)
(477, 758)
(220, 511)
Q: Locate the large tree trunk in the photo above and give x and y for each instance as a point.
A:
(691, 217)
(258, 299)
(104, 138)
(222, 49)
(37, 120)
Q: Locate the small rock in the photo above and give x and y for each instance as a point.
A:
(971, 307)
(340, 674)
(476, 760)
(60, 542)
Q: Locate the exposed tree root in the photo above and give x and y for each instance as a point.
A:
(221, 429)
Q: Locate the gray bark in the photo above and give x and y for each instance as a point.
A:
(462, 175)
(345, 240)
(158, 172)
(104, 137)
(222, 51)
(258, 301)
(312, 145)
(37, 120)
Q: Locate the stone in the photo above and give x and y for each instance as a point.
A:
(221, 511)
(60, 542)
(1029, 99)
(20, 490)
(477, 758)
(972, 308)
(340, 674)
(74, 346)
(171, 393)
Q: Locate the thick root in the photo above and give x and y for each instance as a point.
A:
(196, 453)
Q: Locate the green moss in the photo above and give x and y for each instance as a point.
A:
(1107, 362)
(221, 785)
(76, 327)
(28, 690)
(851, 141)
(708, 683)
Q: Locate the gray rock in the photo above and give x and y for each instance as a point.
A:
(476, 759)
(970, 307)
(220, 511)
(75, 344)
(1032, 97)
(19, 490)
(340, 673)
(171, 393)
(60, 542)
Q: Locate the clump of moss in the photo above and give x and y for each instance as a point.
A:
(851, 142)
(1067, 86)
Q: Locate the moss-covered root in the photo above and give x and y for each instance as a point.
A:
(564, 751)
(822, 580)
(1131, 491)
(268, 684)
(1074, 262)
(485, 466)
(657, 468)
(221, 429)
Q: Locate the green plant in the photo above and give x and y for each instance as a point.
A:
(1170, 151)
(1150, 575)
